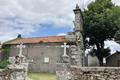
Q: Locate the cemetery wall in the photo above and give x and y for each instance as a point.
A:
(87, 73)
(4, 74)
(13, 74)
(96, 73)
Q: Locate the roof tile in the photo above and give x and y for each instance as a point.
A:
(37, 40)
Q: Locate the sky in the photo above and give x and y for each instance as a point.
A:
(38, 18)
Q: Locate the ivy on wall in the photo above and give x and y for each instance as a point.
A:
(6, 52)
(3, 64)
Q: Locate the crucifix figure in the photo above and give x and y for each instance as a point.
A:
(65, 49)
(21, 46)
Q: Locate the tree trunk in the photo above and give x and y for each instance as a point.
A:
(100, 47)
(100, 61)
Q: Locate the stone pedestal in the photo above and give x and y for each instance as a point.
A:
(18, 68)
(63, 72)
(65, 59)
(18, 72)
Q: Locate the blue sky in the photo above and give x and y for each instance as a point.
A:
(48, 30)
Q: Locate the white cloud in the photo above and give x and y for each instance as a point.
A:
(84, 3)
(24, 16)
(117, 2)
(61, 34)
(112, 45)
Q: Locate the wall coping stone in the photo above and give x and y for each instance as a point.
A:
(95, 68)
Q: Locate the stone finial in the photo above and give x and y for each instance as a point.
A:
(77, 6)
(77, 9)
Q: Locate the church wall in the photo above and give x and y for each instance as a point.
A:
(50, 52)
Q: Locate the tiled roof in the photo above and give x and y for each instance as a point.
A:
(49, 39)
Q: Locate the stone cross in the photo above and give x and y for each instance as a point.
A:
(21, 46)
(65, 49)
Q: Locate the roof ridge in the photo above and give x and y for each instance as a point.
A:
(42, 37)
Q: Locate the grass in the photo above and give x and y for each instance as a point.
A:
(41, 76)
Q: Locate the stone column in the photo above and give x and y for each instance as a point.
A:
(63, 72)
(63, 66)
(18, 68)
(79, 34)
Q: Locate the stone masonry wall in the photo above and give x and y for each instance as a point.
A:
(4, 74)
(89, 73)
(7, 74)
(96, 73)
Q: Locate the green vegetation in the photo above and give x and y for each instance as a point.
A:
(4, 61)
(101, 21)
(3, 64)
(6, 51)
(41, 76)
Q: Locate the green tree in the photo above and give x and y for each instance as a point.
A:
(101, 21)
(117, 35)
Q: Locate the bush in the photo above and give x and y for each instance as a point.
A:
(3, 64)
(6, 51)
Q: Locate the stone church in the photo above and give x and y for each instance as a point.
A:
(44, 51)
(47, 51)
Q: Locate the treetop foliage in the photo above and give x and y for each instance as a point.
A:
(102, 20)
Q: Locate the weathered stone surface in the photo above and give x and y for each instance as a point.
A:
(4, 74)
(88, 73)
(63, 72)
(13, 74)
(18, 68)
(96, 73)
(18, 72)
(18, 75)
(92, 61)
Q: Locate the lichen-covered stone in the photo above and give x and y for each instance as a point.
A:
(96, 73)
